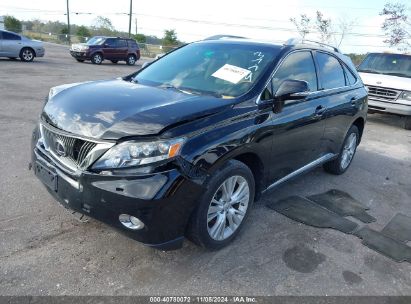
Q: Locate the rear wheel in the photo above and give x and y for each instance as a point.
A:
(224, 207)
(97, 58)
(343, 161)
(407, 122)
(131, 60)
(26, 54)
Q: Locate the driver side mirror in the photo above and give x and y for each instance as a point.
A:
(291, 89)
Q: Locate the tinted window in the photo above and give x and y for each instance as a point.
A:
(351, 79)
(331, 72)
(297, 66)
(111, 42)
(121, 43)
(132, 43)
(9, 36)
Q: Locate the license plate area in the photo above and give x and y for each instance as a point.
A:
(48, 177)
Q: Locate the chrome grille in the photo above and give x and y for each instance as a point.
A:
(75, 149)
(383, 94)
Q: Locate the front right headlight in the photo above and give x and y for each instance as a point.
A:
(406, 95)
(137, 153)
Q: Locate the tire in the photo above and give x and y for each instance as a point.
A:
(97, 58)
(339, 165)
(27, 54)
(80, 60)
(211, 210)
(407, 122)
(114, 61)
(131, 60)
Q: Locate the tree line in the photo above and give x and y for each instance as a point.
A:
(101, 26)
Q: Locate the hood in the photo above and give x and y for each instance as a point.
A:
(116, 108)
(386, 81)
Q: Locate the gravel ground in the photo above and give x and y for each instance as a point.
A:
(44, 251)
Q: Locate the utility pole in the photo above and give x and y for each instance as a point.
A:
(68, 22)
(136, 24)
(130, 15)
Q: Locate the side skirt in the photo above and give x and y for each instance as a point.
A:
(308, 167)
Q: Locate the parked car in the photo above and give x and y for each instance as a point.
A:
(13, 45)
(388, 79)
(101, 48)
(183, 147)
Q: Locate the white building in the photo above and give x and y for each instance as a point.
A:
(1, 23)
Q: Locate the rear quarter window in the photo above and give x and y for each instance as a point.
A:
(132, 44)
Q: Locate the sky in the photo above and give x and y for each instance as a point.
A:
(194, 20)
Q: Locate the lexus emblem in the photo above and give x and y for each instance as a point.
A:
(379, 82)
(60, 149)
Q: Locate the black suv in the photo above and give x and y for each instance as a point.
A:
(183, 147)
(100, 48)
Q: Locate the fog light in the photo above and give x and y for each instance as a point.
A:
(131, 222)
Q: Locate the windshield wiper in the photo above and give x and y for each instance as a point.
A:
(170, 86)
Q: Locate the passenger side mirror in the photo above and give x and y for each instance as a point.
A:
(291, 89)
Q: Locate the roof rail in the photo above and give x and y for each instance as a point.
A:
(217, 37)
(303, 41)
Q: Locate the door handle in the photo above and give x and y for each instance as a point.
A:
(319, 111)
(353, 100)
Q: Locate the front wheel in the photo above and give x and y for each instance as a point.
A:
(343, 161)
(97, 58)
(224, 206)
(27, 55)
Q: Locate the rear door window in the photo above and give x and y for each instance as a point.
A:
(297, 66)
(331, 72)
(10, 36)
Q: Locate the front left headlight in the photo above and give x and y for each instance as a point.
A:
(406, 95)
(133, 153)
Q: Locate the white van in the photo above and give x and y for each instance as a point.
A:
(388, 79)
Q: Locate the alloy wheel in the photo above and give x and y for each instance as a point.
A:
(348, 151)
(27, 55)
(97, 59)
(131, 60)
(228, 207)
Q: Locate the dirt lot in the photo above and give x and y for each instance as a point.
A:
(44, 251)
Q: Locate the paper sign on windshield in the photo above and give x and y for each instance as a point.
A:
(231, 73)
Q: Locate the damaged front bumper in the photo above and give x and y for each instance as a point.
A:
(162, 201)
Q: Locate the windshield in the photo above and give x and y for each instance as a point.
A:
(220, 69)
(389, 64)
(95, 41)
